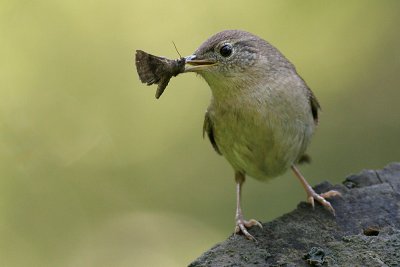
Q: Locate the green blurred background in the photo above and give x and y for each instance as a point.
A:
(96, 172)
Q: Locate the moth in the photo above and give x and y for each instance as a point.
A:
(157, 70)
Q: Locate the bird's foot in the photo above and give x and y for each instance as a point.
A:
(321, 198)
(242, 225)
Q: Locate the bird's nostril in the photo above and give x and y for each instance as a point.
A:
(191, 57)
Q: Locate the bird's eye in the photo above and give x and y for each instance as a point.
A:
(226, 50)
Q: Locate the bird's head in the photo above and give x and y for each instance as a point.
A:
(234, 59)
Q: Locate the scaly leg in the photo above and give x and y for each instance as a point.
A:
(241, 224)
(311, 195)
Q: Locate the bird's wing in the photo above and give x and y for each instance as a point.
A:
(315, 107)
(208, 128)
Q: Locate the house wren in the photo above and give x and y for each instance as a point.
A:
(262, 114)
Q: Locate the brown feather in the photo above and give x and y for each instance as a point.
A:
(208, 128)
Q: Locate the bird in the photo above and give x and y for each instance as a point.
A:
(262, 115)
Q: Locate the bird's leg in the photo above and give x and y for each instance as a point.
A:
(241, 224)
(311, 195)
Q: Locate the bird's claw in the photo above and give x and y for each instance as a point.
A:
(242, 225)
(321, 199)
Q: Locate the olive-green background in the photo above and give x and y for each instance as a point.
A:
(96, 172)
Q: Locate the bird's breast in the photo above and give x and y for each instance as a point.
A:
(257, 138)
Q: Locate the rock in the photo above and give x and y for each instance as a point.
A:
(365, 231)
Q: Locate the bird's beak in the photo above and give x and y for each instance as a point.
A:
(192, 63)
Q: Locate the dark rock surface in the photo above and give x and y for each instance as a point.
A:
(365, 231)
